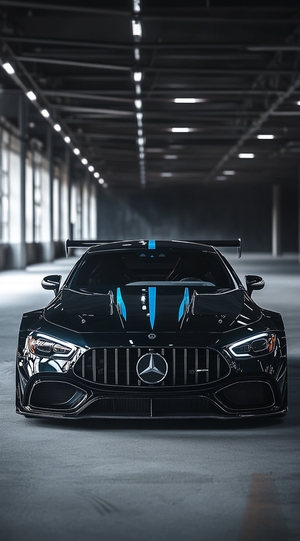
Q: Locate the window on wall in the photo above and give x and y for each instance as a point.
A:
(76, 211)
(4, 185)
(33, 210)
(29, 199)
(56, 210)
(37, 195)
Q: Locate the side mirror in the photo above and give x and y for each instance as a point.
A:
(52, 282)
(254, 282)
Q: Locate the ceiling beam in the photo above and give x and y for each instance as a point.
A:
(178, 70)
(167, 95)
(84, 96)
(75, 109)
(221, 20)
(254, 127)
(159, 46)
(72, 63)
(57, 7)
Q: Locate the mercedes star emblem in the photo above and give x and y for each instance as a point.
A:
(152, 368)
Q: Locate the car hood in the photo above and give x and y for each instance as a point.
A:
(152, 309)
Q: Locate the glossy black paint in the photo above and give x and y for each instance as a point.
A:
(192, 324)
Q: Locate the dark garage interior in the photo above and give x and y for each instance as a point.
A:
(139, 119)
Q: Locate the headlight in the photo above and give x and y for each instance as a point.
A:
(46, 346)
(260, 344)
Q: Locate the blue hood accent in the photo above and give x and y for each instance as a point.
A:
(170, 308)
(152, 305)
(151, 245)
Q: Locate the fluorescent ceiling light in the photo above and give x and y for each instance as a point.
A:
(265, 136)
(171, 157)
(76, 151)
(221, 177)
(8, 68)
(138, 89)
(136, 6)
(138, 104)
(298, 102)
(166, 174)
(101, 180)
(141, 141)
(136, 29)
(137, 76)
(31, 95)
(246, 155)
(105, 185)
(142, 155)
(137, 55)
(67, 139)
(91, 168)
(188, 100)
(140, 132)
(57, 127)
(84, 161)
(45, 113)
(180, 130)
(139, 117)
(229, 172)
(96, 175)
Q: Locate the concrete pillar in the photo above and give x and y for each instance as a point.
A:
(89, 206)
(276, 221)
(299, 217)
(19, 248)
(68, 173)
(49, 252)
(85, 206)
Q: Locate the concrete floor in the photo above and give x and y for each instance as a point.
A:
(133, 480)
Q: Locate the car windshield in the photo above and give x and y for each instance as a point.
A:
(100, 271)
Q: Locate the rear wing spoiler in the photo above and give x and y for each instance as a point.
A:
(217, 243)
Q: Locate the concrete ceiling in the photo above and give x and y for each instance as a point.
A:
(239, 60)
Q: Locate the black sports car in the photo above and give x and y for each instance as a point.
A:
(152, 329)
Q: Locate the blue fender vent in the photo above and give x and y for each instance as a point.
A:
(121, 304)
(184, 304)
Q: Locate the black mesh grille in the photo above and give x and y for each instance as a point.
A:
(151, 407)
(55, 395)
(186, 366)
(255, 394)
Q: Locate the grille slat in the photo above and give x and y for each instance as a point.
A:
(218, 366)
(117, 366)
(174, 366)
(196, 366)
(94, 364)
(185, 360)
(207, 364)
(127, 367)
(83, 367)
(105, 366)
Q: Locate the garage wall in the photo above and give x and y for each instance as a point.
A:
(195, 212)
